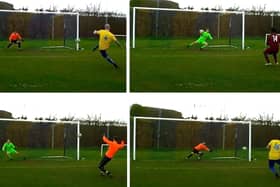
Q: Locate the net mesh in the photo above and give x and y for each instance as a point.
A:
(170, 26)
(174, 139)
(40, 30)
(41, 140)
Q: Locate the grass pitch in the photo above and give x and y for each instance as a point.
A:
(33, 69)
(200, 173)
(62, 172)
(169, 66)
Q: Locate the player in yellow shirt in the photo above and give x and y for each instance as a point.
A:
(105, 40)
(274, 155)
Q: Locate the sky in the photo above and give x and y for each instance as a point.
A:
(269, 4)
(106, 5)
(115, 106)
(109, 106)
(122, 5)
(214, 104)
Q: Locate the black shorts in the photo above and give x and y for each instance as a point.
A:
(104, 53)
(14, 41)
(195, 151)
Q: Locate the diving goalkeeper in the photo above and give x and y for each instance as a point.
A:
(198, 150)
(202, 40)
(114, 147)
(10, 149)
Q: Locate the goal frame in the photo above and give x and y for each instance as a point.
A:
(249, 123)
(53, 122)
(186, 10)
(77, 47)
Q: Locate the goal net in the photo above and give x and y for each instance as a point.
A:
(163, 27)
(262, 133)
(41, 29)
(42, 139)
(174, 138)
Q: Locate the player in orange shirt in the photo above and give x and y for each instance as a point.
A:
(15, 38)
(198, 150)
(113, 148)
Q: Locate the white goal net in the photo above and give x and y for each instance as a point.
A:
(41, 29)
(151, 25)
(42, 138)
(174, 138)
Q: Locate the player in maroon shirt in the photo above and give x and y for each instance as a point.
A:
(273, 41)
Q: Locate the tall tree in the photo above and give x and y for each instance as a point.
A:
(5, 114)
(153, 3)
(6, 6)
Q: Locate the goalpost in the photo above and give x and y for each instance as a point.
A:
(19, 128)
(47, 26)
(242, 13)
(247, 137)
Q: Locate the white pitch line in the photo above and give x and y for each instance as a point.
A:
(41, 56)
(198, 168)
(44, 167)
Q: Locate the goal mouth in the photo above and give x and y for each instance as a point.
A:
(229, 138)
(43, 27)
(44, 139)
(229, 24)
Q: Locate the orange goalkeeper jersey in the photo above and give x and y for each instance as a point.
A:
(114, 147)
(14, 36)
(201, 147)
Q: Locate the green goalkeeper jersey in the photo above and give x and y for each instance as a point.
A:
(8, 147)
(205, 36)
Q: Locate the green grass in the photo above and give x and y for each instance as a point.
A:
(60, 172)
(169, 66)
(200, 173)
(33, 69)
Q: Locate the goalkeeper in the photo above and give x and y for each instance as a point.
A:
(114, 147)
(198, 150)
(10, 149)
(105, 39)
(15, 38)
(202, 40)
